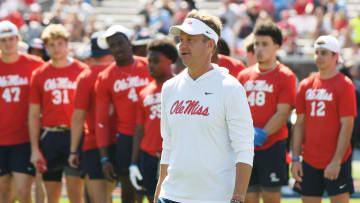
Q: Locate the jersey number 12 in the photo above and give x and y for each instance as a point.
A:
(317, 108)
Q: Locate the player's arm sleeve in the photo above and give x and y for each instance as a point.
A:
(240, 66)
(287, 92)
(300, 99)
(37, 63)
(82, 92)
(240, 78)
(240, 125)
(347, 100)
(102, 113)
(35, 91)
(140, 114)
(165, 131)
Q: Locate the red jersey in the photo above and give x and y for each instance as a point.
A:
(265, 91)
(235, 66)
(324, 102)
(14, 89)
(148, 113)
(120, 86)
(53, 88)
(85, 100)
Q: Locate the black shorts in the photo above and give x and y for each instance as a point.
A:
(314, 183)
(269, 167)
(55, 147)
(91, 165)
(148, 165)
(123, 153)
(16, 158)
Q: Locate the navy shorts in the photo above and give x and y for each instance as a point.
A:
(123, 153)
(16, 158)
(314, 183)
(55, 147)
(163, 200)
(269, 167)
(91, 162)
(149, 168)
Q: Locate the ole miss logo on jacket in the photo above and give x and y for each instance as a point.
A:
(189, 107)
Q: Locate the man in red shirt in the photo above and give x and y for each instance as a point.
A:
(119, 84)
(233, 65)
(325, 108)
(271, 92)
(51, 106)
(147, 142)
(15, 74)
(85, 113)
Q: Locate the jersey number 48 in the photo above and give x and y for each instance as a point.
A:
(256, 98)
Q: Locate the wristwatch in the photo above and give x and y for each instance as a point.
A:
(296, 158)
(236, 201)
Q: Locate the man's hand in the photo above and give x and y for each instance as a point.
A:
(108, 170)
(260, 137)
(297, 171)
(134, 176)
(74, 160)
(36, 156)
(332, 170)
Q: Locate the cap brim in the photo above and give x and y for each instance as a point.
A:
(8, 35)
(177, 29)
(101, 41)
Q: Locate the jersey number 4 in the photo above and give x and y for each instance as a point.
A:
(317, 108)
(11, 94)
(256, 98)
(132, 95)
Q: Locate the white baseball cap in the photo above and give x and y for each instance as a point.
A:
(330, 43)
(110, 32)
(193, 26)
(8, 29)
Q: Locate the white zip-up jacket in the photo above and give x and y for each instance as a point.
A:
(207, 128)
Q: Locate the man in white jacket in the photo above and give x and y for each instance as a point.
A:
(206, 124)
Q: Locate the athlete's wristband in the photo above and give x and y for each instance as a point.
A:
(296, 159)
(102, 160)
(236, 201)
(74, 153)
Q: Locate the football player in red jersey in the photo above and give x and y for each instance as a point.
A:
(325, 108)
(51, 106)
(233, 65)
(15, 73)
(271, 90)
(119, 84)
(147, 143)
(99, 189)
